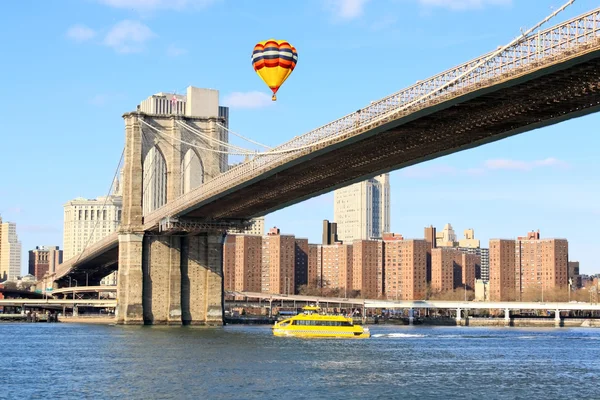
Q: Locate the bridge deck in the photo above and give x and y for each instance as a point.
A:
(546, 97)
(539, 79)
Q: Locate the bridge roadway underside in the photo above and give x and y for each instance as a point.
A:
(93, 270)
(544, 97)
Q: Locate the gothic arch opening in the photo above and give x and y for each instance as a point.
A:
(154, 181)
(192, 171)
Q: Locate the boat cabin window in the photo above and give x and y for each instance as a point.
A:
(321, 323)
(285, 322)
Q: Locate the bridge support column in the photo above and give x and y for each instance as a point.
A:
(458, 316)
(162, 280)
(129, 290)
(557, 320)
(202, 279)
(411, 317)
(506, 317)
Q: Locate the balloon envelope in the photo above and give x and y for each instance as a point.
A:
(274, 60)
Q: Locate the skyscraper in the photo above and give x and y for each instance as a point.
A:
(362, 210)
(10, 251)
(86, 221)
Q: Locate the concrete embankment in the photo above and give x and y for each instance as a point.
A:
(30, 317)
(89, 320)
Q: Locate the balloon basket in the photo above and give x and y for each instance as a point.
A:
(274, 98)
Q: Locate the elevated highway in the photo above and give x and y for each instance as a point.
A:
(423, 304)
(58, 302)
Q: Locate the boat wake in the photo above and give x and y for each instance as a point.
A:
(398, 335)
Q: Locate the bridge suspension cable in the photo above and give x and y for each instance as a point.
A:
(160, 132)
(103, 204)
(243, 137)
(239, 153)
(199, 133)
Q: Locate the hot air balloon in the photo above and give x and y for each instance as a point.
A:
(274, 60)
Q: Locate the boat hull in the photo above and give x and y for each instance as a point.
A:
(321, 334)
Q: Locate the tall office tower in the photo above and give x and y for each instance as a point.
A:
(44, 259)
(362, 210)
(10, 251)
(87, 221)
(329, 232)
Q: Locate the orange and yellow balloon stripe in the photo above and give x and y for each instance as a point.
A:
(274, 60)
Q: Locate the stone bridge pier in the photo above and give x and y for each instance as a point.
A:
(170, 279)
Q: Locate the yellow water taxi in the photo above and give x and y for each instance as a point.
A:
(312, 324)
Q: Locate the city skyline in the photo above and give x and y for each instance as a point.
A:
(538, 180)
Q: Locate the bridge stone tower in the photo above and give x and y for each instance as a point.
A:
(167, 278)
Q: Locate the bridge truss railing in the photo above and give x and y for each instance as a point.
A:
(530, 52)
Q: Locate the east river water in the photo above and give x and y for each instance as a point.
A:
(54, 361)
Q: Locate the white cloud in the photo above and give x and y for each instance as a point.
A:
(128, 36)
(247, 100)
(80, 33)
(347, 9)
(463, 4)
(434, 171)
(174, 51)
(147, 5)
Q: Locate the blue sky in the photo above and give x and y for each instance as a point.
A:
(71, 68)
